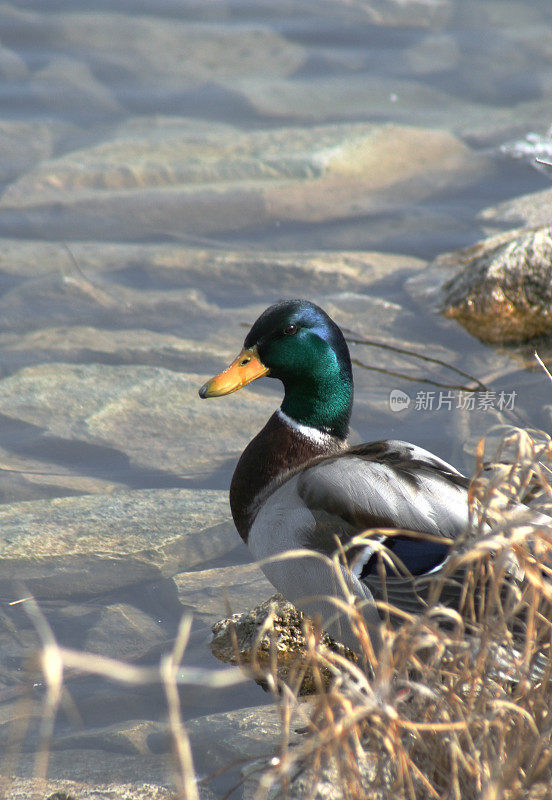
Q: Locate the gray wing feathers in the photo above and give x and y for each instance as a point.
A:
(342, 497)
(372, 494)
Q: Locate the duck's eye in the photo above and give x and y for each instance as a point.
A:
(289, 330)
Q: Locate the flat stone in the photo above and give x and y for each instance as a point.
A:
(327, 98)
(92, 544)
(176, 266)
(130, 737)
(223, 180)
(126, 623)
(119, 754)
(58, 299)
(325, 780)
(255, 275)
(254, 735)
(141, 748)
(99, 774)
(434, 53)
(486, 125)
(123, 631)
(24, 476)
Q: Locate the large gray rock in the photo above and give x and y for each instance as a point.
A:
(254, 735)
(503, 291)
(84, 344)
(148, 421)
(221, 742)
(326, 778)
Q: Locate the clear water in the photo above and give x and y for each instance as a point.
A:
(72, 75)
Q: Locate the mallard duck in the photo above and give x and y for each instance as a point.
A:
(298, 485)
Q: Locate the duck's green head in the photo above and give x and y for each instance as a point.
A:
(298, 343)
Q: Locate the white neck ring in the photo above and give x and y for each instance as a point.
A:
(305, 430)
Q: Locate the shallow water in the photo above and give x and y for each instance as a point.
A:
(168, 170)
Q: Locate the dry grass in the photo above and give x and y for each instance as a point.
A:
(455, 705)
(458, 702)
(55, 662)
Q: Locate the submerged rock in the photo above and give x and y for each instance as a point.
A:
(146, 288)
(394, 98)
(143, 426)
(83, 546)
(158, 176)
(207, 592)
(273, 630)
(68, 87)
(503, 292)
(82, 762)
(327, 777)
(530, 209)
(145, 52)
(24, 144)
(32, 788)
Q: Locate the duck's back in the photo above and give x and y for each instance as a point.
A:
(321, 507)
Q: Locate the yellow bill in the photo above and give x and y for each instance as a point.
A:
(245, 368)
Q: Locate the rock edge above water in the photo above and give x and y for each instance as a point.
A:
(273, 631)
